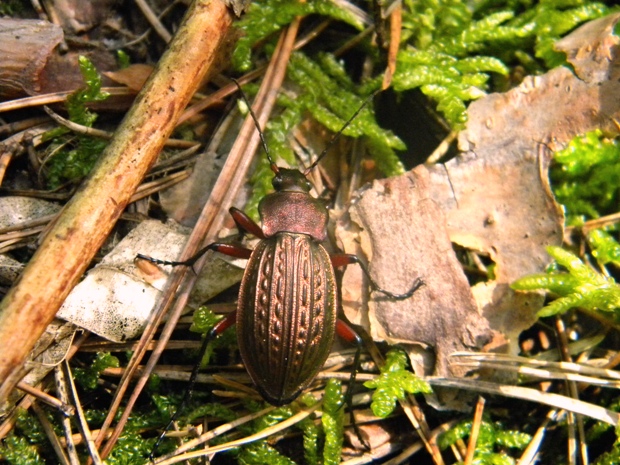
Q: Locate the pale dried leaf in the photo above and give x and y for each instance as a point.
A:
(50, 350)
(15, 210)
(116, 298)
(591, 49)
(500, 204)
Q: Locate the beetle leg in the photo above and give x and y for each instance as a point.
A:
(218, 329)
(223, 248)
(343, 259)
(245, 224)
(348, 334)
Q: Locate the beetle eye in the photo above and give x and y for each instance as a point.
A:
(276, 182)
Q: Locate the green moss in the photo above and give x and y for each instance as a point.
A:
(586, 181)
(17, 450)
(204, 320)
(260, 453)
(212, 409)
(27, 443)
(493, 440)
(605, 248)
(393, 383)
(130, 449)
(311, 435)
(11, 7)
(449, 50)
(73, 156)
(586, 177)
(490, 34)
(88, 377)
(580, 287)
(265, 18)
(123, 59)
(333, 422)
(610, 458)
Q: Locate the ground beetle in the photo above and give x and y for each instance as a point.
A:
(287, 312)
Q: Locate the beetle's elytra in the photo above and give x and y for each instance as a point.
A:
(288, 302)
(286, 316)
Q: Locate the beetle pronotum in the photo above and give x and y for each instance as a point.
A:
(288, 302)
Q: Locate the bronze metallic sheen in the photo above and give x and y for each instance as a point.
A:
(286, 316)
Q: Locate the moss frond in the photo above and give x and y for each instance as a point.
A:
(333, 422)
(492, 441)
(393, 383)
(89, 376)
(605, 248)
(266, 18)
(490, 34)
(580, 287)
(74, 156)
(586, 177)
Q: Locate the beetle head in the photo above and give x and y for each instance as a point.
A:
(287, 180)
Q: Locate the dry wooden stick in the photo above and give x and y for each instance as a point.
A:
(54, 97)
(475, 431)
(87, 219)
(152, 18)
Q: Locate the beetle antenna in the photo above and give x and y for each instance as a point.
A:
(260, 132)
(339, 133)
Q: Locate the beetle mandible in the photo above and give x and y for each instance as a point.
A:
(287, 311)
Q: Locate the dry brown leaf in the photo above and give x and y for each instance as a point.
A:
(25, 48)
(134, 76)
(77, 16)
(403, 234)
(183, 202)
(496, 200)
(496, 194)
(501, 205)
(592, 49)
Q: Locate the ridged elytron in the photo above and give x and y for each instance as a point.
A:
(287, 312)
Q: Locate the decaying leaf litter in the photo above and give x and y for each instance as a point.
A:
(505, 153)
